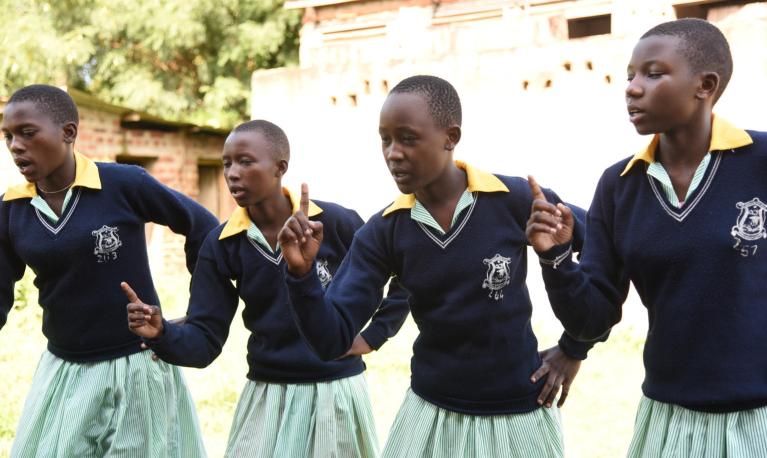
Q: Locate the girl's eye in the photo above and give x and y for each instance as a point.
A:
(630, 77)
(385, 140)
(27, 133)
(409, 140)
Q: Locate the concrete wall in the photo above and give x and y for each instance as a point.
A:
(535, 102)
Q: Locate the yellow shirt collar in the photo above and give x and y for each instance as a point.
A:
(724, 136)
(86, 176)
(478, 181)
(240, 220)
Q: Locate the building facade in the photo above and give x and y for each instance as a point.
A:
(542, 83)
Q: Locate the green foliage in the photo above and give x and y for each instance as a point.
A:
(180, 59)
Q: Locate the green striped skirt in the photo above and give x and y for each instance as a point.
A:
(667, 430)
(297, 420)
(423, 430)
(125, 407)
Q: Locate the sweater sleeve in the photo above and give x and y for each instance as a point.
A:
(160, 204)
(587, 296)
(574, 348)
(329, 322)
(11, 266)
(212, 307)
(389, 317)
(394, 308)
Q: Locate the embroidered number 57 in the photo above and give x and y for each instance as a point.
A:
(748, 250)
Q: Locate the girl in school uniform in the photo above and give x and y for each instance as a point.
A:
(79, 225)
(293, 404)
(684, 221)
(455, 239)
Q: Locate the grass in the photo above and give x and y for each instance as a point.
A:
(597, 418)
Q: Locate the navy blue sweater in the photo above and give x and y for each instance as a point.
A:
(238, 267)
(700, 270)
(98, 242)
(476, 349)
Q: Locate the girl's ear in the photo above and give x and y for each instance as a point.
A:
(708, 86)
(69, 132)
(282, 168)
(453, 137)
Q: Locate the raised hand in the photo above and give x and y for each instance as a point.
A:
(561, 370)
(549, 225)
(300, 238)
(143, 320)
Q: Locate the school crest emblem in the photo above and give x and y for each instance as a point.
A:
(749, 227)
(324, 273)
(107, 243)
(497, 276)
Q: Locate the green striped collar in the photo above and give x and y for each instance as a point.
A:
(240, 220)
(724, 136)
(40, 204)
(255, 234)
(477, 181)
(656, 170)
(421, 214)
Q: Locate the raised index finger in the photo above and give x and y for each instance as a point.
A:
(129, 293)
(535, 189)
(304, 206)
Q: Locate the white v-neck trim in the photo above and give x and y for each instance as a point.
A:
(269, 257)
(444, 243)
(62, 222)
(680, 216)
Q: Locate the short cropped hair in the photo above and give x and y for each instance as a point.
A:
(273, 134)
(50, 100)
(705, 47)
(441, 98)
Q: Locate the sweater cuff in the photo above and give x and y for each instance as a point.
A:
(556, 255)
(574, 348)
(166, 336)
(374, 337)
(307, 285)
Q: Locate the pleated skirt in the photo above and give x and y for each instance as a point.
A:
(304, 420)
(125, 407)
(666, 430)
(424, 430)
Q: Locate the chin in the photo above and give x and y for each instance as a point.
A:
(242, 202)
(405, 189)
(32, 178)
(644, 130)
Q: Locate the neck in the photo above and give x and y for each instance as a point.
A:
(686, 145)
(62, 177)
(271, 211)
(446, 188)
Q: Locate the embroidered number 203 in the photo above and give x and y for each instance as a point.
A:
(107, 243)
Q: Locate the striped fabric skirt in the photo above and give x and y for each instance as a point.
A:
(125, 407)
(667, 430)
(304, 420)
(423, 430)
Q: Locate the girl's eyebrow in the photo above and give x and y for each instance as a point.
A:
(22, 126)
